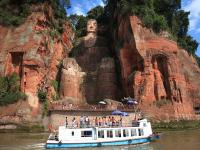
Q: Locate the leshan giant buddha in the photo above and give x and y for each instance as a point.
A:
(94, 72)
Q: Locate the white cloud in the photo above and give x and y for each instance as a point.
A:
(193, 7)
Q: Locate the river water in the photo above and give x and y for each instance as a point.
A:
(176, 140)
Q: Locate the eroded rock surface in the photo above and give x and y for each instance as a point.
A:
(152, 72)
(32, 53)
(95, 79)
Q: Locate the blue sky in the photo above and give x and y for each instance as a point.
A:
(194, 29)
(81, 7)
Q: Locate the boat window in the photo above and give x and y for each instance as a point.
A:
(101, 134)
(133, 132)
(118, 133)
(140, 132)
(72, 133)
(144, 124)
(109, 133)
(125, 133)
(86, 133)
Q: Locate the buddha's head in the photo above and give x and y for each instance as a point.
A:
(92, 26)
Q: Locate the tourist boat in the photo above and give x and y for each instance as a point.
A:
(138, 133)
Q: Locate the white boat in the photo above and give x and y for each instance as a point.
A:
(139, 133)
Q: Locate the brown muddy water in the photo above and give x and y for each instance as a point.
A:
(174, 140)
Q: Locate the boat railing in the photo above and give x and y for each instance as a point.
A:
(133, 124)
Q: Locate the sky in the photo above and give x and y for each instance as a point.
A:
(81, 7)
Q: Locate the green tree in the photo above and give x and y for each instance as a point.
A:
(95, 13)
(159, 15)
(79, 22)
(14, 12)
(10, 90)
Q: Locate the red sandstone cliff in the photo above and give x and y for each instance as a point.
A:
(34, 55)
(154, 70)
(163, 77)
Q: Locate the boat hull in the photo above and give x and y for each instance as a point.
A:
(99, 144)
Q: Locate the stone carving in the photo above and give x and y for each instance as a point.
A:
(159, 88)
(96, 66)
(160, 80)
(71, 80)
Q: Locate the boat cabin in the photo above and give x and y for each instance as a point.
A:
(96, 133)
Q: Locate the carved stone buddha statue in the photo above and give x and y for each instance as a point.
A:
(97, 75)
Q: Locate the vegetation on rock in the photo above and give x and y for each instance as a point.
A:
(160, 15)
(42, 95)
(79, 22)
(55, 85)
(10, 90)
(162, 102)
(156, 14)
(13, 13)
(176, 125)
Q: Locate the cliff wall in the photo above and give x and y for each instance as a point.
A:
(154, 70)
(157, 72)
(35, 55)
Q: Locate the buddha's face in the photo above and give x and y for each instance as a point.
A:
(92, 26)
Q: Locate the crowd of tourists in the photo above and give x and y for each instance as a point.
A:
(85, 121)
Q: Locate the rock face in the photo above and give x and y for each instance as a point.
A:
(94, 77)
(152, 72)
(153, 69)
(32, 53)
(71, 80)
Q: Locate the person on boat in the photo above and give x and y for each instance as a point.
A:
(120, 121)
(104, 121)
(81, 122)
(109, 121)
(96, 122)
(100, 121)
(86, 121)
(66, 122)
(74, 123)
(113, 121)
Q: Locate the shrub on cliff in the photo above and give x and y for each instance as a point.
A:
(14, 12)
(162, 102)
(156, 14)
(10, 90)
(42, 95)
(198, 59)
(79, 22)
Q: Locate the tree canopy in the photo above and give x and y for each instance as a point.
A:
(10, 90)
(160, 15)
(14, 12)
(79, 22)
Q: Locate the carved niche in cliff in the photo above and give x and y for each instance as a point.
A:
(161, 77)
(96, 73)
(158, 79)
